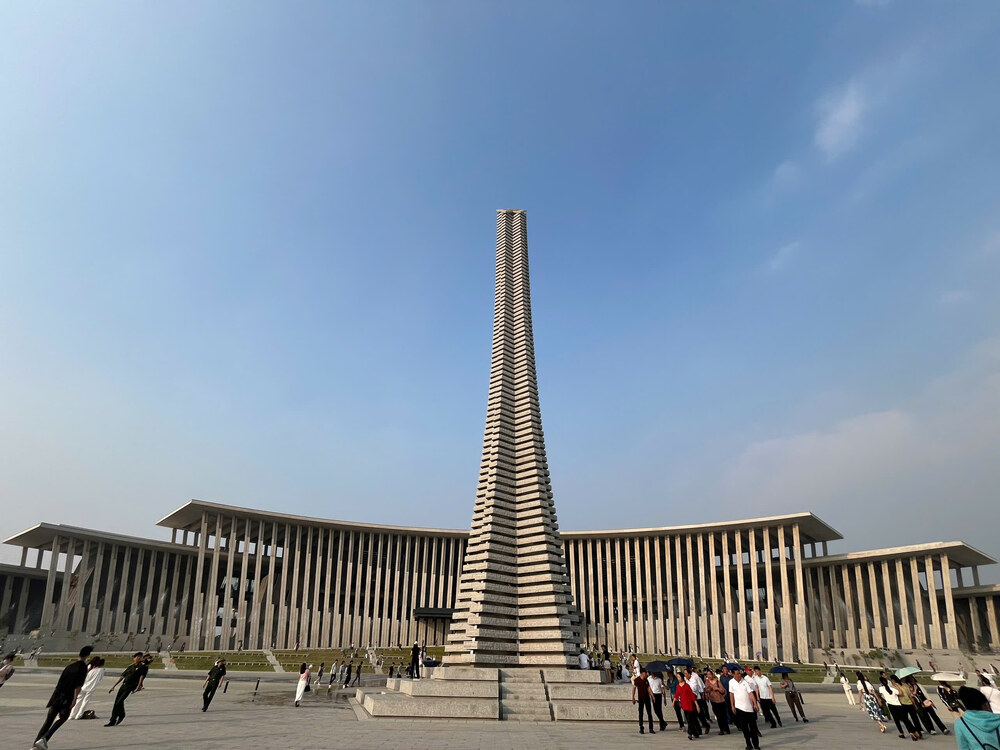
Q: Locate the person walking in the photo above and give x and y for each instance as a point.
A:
(687, 700)
(94, 675)
(871, 702)
(303, 683)
(765, 693)
(890, 694)
(718, 696)
(68, 687)
(743, 699)
(357, 675)
(414, 661)
(949, 698)
(848, 691)
(792, 698)
(672, 683)
(924, 707)
(656, 689)
(215, 677)
(906, 701)
(640, 696)
(350, 669)
(978, 728)
(697, 685)
(7, 668)
(319, 675)
(129, 681)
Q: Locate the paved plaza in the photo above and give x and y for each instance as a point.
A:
(167, 715)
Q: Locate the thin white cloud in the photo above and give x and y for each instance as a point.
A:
(787, 175)
(840, 121)
(781, 258)
(992, 245)
(921, 472)
(956, 297)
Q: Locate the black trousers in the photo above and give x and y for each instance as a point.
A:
(911, 715)
(209, 694)
(118, 710)
(694, 726)
(680, 715)
(900, 717)
(55, 718)
(703, 714)
(644, 703)
(415, 669)
(747, 722)
(927, 715)
(770, 712)
(658, 709)
(721, 711)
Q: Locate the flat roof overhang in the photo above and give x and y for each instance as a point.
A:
(188, 517)
(41, 536)
(958, 552)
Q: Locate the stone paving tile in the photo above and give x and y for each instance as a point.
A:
(167, 716)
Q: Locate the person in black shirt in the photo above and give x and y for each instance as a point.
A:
(215, 677)
(63, 698)
(129, 682)
(415, 661)
(147, 659)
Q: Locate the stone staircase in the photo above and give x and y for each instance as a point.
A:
(524, 696)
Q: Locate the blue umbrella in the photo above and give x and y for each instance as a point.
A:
(680, 661)
(906, 672)
(656, 666)
(782, 670)
(731, 665)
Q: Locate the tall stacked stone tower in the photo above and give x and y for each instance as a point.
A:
(514, 604)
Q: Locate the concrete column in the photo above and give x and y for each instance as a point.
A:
(198, 609)
(975, 575)
(789, 635)
(660, 630)
(891, 617)
(629, 600)
(376, 567)
(755, 613)
(744, 645)
(124, 611)
(918, 604)
(991, 618)
(270, 613)
(22, 605)
(950, 627)
(62, 610)
(5, 601)
(680, 600)
(48, 606)
(212, 590)
(977, 628)
(405, 613)
(826, 608)
(24, 557)
(308, 607)
(334, 637)
(936, 624)
(243, 587)
(878, 637)
(226, 640)
(295, 601)
(344, 617)
(600, 576)
(770, 615)
(76, 611)
(93, 603)
(906, 639)
(727, 599)
(150, 597)
(851, 629)
(257, 602)
(326, 598)
(111, 591)
(864, 639)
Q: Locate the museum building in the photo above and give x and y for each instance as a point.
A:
(234, 577)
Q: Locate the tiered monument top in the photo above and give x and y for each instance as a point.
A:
(514, 605)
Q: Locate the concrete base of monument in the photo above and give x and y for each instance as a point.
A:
(519, 694)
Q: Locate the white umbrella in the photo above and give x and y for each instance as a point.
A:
(948, 677)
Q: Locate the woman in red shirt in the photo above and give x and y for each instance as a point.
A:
(685, 697)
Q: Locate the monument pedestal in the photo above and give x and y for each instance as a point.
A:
(519, 694)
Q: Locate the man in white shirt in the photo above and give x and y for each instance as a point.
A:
(743, 699)
(584, 660)
(766, 694)
(697, 685)
(656, 688)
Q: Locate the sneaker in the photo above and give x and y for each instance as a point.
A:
(805, 720)
(110, 724)
(41, 743)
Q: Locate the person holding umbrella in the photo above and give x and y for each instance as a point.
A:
(923, 705)
(792, 696)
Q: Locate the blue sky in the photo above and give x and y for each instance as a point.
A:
(246, 256)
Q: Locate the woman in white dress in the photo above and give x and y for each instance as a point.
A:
(300, 689)
(94, 675)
